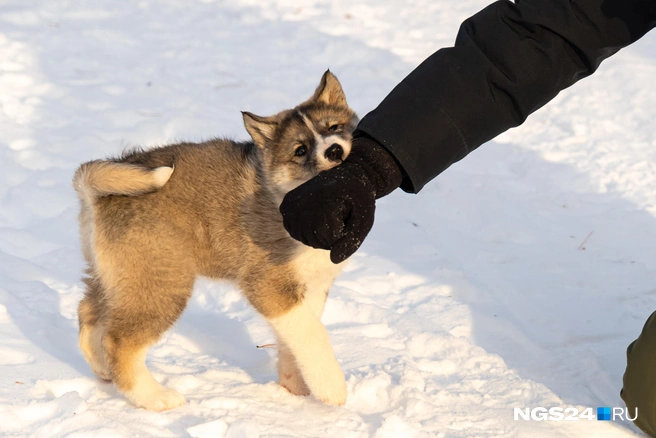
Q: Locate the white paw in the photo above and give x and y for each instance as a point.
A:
(329, 386)
(155, 397)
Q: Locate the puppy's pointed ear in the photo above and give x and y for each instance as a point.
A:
(329, 91)
(261, 129)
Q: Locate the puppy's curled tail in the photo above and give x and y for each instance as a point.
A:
(101, 178)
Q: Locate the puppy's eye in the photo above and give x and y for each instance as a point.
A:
(300, 151)
(333, 128)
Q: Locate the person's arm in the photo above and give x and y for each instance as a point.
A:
(508, 60)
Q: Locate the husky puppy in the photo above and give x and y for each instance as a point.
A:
(152, 221)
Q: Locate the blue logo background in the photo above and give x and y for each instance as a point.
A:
(603, 414)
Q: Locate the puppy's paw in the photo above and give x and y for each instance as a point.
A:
(331, 388)
(164, 400)
(332, 395)
(156, 397)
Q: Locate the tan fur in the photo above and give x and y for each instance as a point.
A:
(102, 178)
(148, 231)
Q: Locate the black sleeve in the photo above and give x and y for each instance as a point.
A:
(509, 60)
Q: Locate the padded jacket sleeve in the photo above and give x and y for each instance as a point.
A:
(508, 60)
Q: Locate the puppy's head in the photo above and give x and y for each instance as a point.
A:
(299, 143)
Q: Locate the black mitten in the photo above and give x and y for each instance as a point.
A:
(335, 209)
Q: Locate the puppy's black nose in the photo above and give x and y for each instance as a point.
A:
(334, 153)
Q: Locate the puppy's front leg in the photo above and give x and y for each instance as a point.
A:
(307, 339)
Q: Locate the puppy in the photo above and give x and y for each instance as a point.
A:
(152, 221)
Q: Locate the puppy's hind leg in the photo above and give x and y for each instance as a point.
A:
(127, 358)
(140, 313)
(90, 315)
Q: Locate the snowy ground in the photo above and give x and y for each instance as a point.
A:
(516, 279)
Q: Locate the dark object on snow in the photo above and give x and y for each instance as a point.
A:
(639, 389)
(335, 209)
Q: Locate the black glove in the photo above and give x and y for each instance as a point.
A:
(335, 209)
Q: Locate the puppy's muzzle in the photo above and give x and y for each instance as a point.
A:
(334, 153)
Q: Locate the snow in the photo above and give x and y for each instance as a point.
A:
(515, 279)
